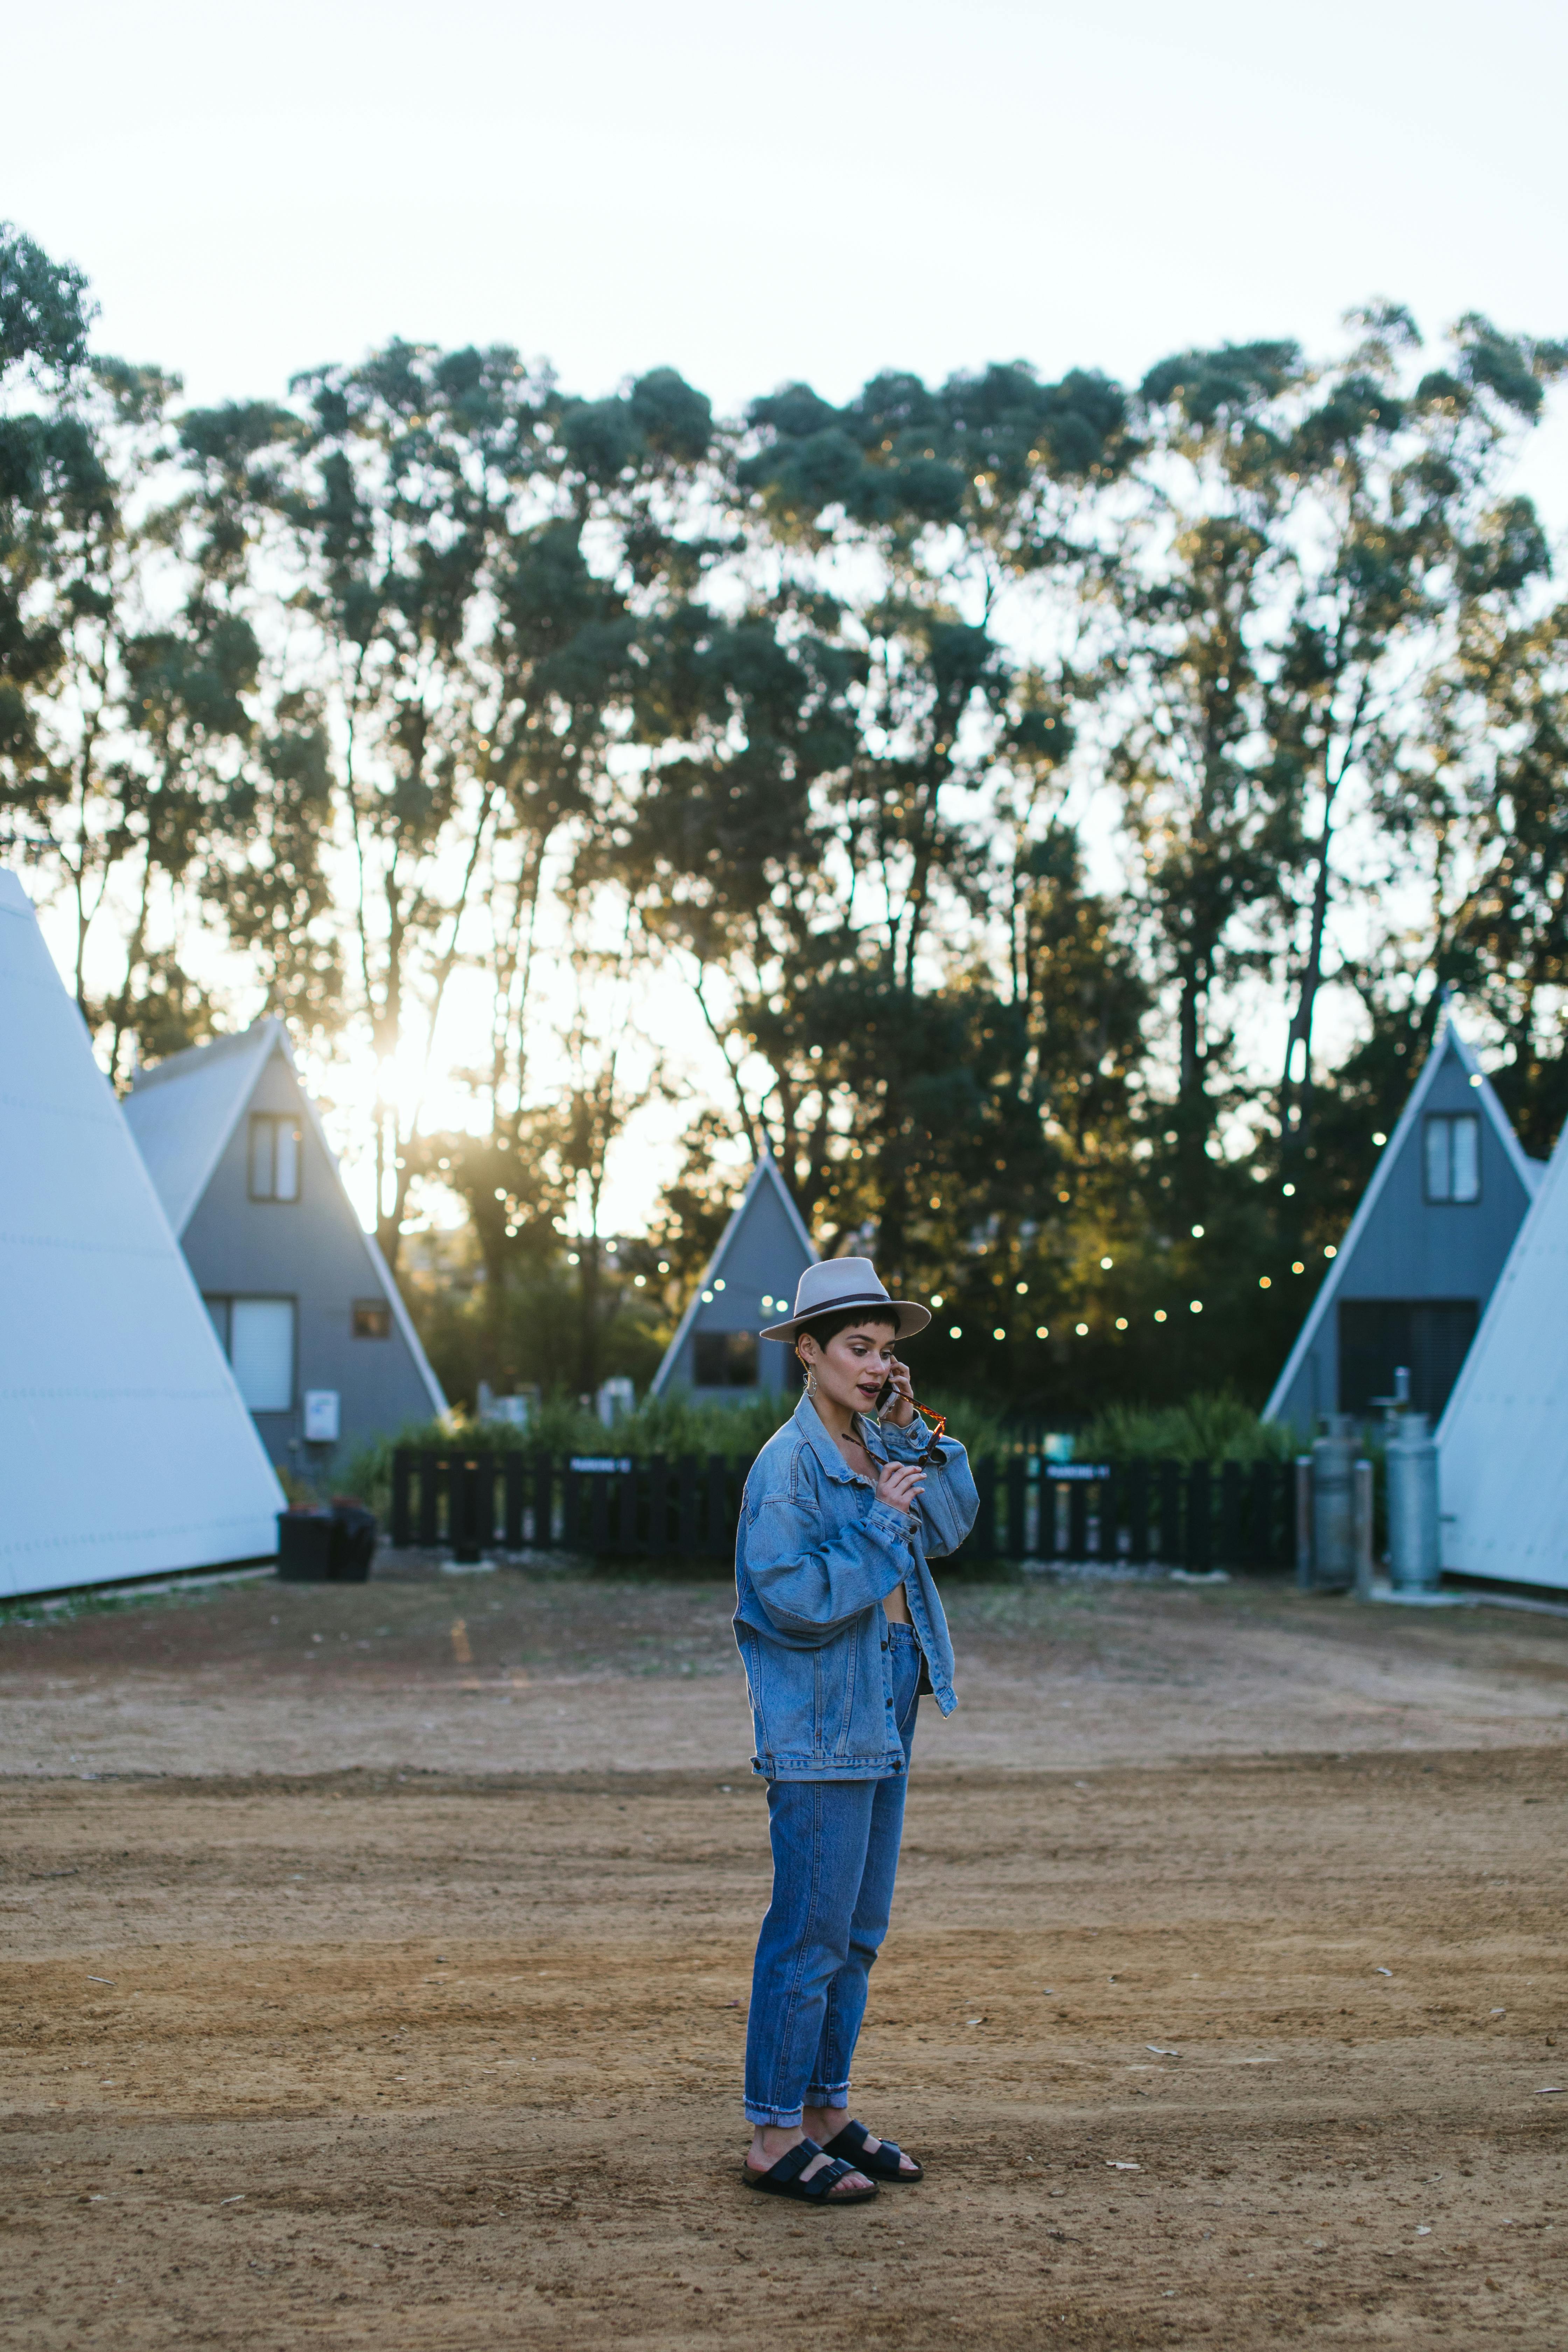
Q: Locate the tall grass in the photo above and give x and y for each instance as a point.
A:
(1216, 1427)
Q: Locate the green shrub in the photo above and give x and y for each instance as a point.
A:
(1216, 1427)
(672, 1425)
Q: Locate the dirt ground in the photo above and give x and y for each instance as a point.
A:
(374, 1969)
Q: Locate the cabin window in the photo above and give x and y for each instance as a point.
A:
(372, 1319)
(275, 1142)
(1453, 1155)
(726, 1360)
(257, 1337)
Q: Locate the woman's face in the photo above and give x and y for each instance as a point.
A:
(853, 1368)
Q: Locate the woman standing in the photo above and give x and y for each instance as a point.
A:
(840, 1629)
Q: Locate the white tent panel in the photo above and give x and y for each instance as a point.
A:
(1502, 1445)
(124, 1447)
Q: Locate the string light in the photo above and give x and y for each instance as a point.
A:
(1159, 1314)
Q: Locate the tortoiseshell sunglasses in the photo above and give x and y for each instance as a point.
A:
(931, 1458)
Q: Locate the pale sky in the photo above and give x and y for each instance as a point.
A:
(757, 193)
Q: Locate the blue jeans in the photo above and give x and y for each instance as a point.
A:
(836, 1856)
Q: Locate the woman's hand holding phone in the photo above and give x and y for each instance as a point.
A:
(899, 1485)
(895, 1402)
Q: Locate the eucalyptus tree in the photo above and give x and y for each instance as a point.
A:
(137, 731)
(1184, 684)
(923, 508)
(1411, 552)
(1494, 801)
(1291, 573)
(868, 722)
(265, 879)
(52, 489)
(405, 472)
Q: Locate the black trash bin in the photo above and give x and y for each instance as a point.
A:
(353, 1543)
(305, 1539)
(321, 1546)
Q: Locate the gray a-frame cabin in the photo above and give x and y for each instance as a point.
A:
(1411, 1279)
(750, 1280)
(303, 1304)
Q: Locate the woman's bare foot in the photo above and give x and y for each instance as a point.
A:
(770, 2141)
(823, 2124)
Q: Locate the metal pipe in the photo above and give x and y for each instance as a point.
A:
(1364, 1507)
(1303, 1523)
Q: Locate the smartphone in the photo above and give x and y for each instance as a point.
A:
(885, 1394)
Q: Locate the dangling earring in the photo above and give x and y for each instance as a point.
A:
(810, 1380)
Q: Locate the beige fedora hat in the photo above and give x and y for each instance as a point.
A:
(844, 1281)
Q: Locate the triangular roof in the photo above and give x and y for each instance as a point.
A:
(765, 1172)
(125, 1449)
(1447, 1040)
(182, 1113)
(1503, 1464)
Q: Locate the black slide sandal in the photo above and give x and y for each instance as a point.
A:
(849, 2145)
(783, 2179)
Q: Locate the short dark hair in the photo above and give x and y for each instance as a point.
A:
(824, 1327)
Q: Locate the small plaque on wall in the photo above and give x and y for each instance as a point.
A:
(321, 1416)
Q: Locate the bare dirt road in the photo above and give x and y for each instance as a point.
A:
(375, 1962)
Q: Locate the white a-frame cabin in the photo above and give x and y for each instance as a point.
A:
(750, 1280)
(1502, 1446)
(125, 1448)
(1411, 1279)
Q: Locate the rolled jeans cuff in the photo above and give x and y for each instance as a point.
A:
(826, 2095)
(780, 2117)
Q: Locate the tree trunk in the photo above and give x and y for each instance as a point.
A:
(588, 1315)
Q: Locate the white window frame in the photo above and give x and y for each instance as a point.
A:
(275, 1148)
(1442, 1152)
(280, 1394)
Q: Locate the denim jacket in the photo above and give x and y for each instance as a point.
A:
(815, 1553)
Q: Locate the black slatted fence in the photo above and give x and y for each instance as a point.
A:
(1196, 1516)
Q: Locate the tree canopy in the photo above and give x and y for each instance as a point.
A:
(1060, 803)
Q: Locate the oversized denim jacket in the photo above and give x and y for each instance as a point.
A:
(815, 1554)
